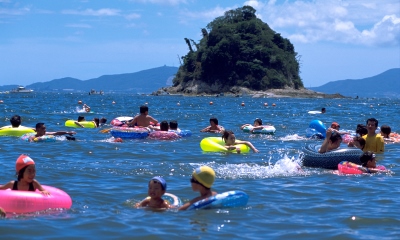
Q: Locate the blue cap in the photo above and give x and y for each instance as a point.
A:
(161, 181)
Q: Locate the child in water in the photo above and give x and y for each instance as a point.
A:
(202, 179)
(26, 173)
(257, 125)
(332, 141)
(230, 142)
(157, 188)
(368, 162)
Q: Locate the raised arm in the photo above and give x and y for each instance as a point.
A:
(324, 146)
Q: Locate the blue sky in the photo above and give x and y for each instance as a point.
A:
(42, 40)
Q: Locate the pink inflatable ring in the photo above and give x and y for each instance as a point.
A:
(15, 201)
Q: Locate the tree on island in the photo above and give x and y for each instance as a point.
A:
(240, 50)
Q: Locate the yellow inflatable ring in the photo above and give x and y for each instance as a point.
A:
(216, 144)
(86, 124)
(15, 132)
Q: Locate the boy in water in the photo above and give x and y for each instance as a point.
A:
(143, 119)
(368, 162)
(214, 127)
(157, 188)
(202, 179)
(373, 142)
(41, 131)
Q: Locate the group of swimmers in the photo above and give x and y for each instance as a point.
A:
(201, 181)
(366, 139)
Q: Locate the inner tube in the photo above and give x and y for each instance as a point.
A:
(172, 200)
(14, 201)
(331, 159)
(182, 133)
(15, 132)
(346, 167)
(216, 144)
(86, 124)
(223, 200)
(163, 135)
(45, 138)
(316, 129)
(119, 121)
(129, 132)
(267, 129)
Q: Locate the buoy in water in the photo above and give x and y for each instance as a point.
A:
(211, 103)
(79, 102)
(178, 104)
(273, 104)
(113, 102)
(1, 101)
(242, 103)
(265, 104)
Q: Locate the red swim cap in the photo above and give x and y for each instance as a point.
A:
(22, 162)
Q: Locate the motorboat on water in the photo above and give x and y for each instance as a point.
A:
(21, 90)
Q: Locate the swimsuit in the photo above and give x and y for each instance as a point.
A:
(31, 187)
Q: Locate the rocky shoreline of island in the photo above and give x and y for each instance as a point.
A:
(198, 88)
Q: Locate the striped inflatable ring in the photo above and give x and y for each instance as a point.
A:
(331, 159)
(129, 132)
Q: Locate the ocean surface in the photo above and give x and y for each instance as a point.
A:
(105, 179)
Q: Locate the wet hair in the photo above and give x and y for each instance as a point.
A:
(97, 121)
(335, 137)
(226, 134)
(164, 126)
(258, 120)
(386, 129)
(39, 125)
(365, 157)
(15, 121)
(81, 118)
(173, 125)
(144, 109)
(323, 110)
(361, 141)
(214, 120)
(373, 120)
(361, 129)
(103, 120)
(21, 172)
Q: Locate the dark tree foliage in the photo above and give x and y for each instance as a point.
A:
(240, 50)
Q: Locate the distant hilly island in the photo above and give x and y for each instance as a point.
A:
(145, 81)
(386, 84)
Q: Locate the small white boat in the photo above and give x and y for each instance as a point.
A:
(21, 90)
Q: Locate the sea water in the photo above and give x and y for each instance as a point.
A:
(105, 179)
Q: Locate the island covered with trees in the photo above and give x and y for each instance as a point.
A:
(237, 51)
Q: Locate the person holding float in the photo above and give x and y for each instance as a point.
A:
(368, 165)
(230, 142)
(156, 189)
(331, 142)
(202, 179)
(41, 134)
(258, 127)
(26, 172)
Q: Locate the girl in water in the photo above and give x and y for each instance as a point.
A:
(230, 142)
(26, 173)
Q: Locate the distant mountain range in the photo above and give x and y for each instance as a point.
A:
(386, 84)
(145, 81)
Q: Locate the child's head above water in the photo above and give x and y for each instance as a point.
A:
(367, 159)
(22, 163)
(160, 181)
(257, 121)
(229, 137)
(204, 176)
